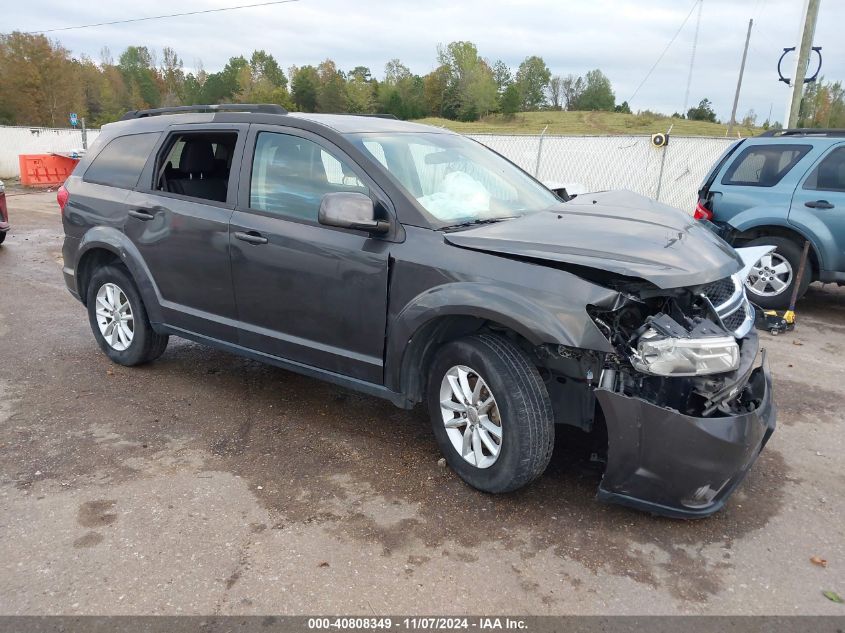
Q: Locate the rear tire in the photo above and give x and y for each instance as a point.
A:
(3, 237)
(129, 339)
(521, 413)
(787, 255)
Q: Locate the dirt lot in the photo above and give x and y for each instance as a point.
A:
(205, 483)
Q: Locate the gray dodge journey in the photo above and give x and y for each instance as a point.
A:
(414, 264)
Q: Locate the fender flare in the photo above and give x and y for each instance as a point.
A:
(748, 220)
(112, 240)
(486, 302)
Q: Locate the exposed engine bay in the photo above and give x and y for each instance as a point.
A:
(691, 349)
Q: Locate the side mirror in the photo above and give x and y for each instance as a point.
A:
(350, 210)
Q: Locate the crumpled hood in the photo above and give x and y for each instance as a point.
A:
(617, 231)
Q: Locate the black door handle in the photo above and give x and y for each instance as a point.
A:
(818, 204)
(141, 214)
(253, 237)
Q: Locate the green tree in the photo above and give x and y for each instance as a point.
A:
(471, 90)
(702, 112)
(137, 65)
(262, 81)
(597, 93)
(304, 84)
(331, 91)
(224, 86)
(360, 90)
(533, 77)
(502, 75)
(401, 93)
(623, 108)
(510, 101)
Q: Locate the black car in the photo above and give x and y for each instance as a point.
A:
(414, 264)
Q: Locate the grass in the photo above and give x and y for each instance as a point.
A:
(587, 123)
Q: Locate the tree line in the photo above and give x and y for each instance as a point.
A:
(43, 81)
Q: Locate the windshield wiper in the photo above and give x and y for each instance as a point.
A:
(468, 223)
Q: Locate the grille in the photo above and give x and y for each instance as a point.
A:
(735, 319)
(720, 291)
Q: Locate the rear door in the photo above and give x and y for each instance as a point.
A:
(306, 292)
(818, 207)
(179, 221)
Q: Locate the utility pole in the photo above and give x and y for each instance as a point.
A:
(802, 59)
(739, 81)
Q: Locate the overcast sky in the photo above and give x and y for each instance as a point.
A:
(621, 37)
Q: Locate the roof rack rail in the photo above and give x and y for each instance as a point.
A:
(262, 108)
(805, 131)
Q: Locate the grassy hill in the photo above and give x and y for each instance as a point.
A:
(587, 123)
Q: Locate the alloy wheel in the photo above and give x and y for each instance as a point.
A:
(114, 317)
(471, 416)
(770, 276)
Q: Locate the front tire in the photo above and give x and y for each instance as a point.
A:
(490, 412)
(119, 320)
(772, 279)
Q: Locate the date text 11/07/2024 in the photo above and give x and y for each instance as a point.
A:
(418, 623)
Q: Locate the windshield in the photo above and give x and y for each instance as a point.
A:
(456, 180)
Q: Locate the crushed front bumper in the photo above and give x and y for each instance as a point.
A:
(662, 461)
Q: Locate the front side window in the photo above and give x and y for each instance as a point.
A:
(454, 179)
(122, 160)
(764, 165)
(830, 174)
(290, 176)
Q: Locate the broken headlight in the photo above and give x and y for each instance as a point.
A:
(663, 355)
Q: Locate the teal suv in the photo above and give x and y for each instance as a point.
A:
(780, 189)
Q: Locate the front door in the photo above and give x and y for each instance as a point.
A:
(179, 221)
(305, 292)
(818, 207)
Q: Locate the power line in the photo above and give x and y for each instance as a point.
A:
(161, 17)
(674, 37)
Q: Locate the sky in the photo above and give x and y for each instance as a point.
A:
(623, 38)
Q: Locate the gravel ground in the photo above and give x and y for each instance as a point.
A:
(205, 483)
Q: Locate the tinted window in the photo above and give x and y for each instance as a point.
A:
(196, 165)
(830, 174)
(121, 161)
(290, 175)
(764, 165)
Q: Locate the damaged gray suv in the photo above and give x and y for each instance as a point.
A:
(413, 264)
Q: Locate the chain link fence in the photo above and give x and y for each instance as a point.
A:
(670, 174)
(590, 163)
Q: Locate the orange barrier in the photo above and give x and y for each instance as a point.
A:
(45, 170)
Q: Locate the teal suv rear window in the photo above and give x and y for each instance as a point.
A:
(764, 165)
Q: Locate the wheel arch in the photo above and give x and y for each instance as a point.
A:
(104, 245)
(787, 232)
(449, 312)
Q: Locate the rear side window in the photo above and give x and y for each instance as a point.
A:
(197, 164)
(121, 162)
(764, 165)
(830, 174)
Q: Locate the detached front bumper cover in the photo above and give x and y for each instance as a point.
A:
(662, 461)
